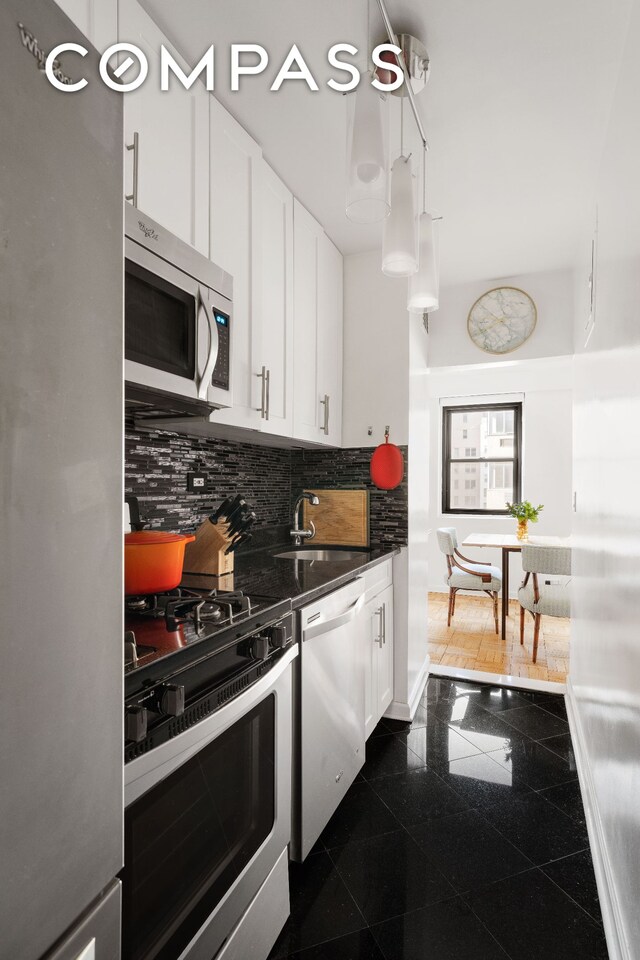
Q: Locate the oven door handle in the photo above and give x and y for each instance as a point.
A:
(214, 345)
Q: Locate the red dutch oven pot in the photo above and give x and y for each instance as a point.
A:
(153, 561)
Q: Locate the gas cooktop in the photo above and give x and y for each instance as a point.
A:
(182, 625)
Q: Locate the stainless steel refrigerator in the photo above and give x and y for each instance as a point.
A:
(61, 243)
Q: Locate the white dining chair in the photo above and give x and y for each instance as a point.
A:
(472, 575)
(543, 599)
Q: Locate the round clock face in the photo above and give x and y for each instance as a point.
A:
(502, 319)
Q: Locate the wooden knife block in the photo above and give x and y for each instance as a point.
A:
(206, 554)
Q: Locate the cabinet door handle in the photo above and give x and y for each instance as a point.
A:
(262, 409)
(268, 394)
(380, 638)
(325, 426)
(134, 146)
(384, 623)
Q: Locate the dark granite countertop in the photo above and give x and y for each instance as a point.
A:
(262, 573)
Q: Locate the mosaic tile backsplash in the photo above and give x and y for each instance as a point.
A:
(157, 463)
(349, 469)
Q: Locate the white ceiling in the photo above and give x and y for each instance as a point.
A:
(515, 112)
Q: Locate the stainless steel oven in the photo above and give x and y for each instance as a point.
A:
(207, 826)
(178, 316)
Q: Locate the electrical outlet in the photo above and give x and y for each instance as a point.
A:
(196, 482)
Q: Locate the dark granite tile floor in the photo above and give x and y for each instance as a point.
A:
(463, 838)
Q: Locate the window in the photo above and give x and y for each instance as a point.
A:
(500, 422)
(494, 461)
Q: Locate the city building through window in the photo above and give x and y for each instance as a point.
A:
(490, 465)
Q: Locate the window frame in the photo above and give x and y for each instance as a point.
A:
(447, 459)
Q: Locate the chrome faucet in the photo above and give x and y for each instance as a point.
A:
(298, 534)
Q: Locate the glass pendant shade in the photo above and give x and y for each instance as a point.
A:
(400, 247)
(367, 195)
(423, 285)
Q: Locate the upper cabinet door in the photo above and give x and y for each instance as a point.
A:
(235, 233)
(317, 333)
(274, 307)
(98, 19)
(330, 341)
(307, 411)
(173, 138)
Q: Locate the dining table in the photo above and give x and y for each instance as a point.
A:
(509, 543)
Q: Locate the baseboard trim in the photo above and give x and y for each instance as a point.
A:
(398, 710)
(611, 914)
(500, 680)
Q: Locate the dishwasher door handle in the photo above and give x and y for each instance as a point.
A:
(326, 626)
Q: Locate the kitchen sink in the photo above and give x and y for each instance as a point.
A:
(310, 555)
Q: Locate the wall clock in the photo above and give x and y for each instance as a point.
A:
(502, 319)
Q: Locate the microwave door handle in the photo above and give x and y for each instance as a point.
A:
(214, 342)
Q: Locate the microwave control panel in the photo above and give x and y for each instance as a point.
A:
(220, 376)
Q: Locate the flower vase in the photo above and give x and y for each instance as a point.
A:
(523, 530)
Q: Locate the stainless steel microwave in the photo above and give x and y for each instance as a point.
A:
(178, 316)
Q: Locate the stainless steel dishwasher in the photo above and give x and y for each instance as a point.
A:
(330, 710)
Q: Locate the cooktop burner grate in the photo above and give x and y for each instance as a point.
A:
(186, 606)
(171, 623)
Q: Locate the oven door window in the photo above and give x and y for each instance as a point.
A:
(160, 323)
(189, 837)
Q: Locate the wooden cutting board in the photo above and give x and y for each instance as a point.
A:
(341, 518)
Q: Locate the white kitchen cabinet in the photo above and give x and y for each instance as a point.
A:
(172, 127)
(377, 654)
(317, 333)
(330, 341)
(252, 238)
(235, 233)
(273, 312)
(97, 19)
(307, 235)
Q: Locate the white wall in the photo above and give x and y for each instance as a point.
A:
(604, 679)
(552, 294)
(385, 382)
(376, 354)
(419, 502)
(546, 390)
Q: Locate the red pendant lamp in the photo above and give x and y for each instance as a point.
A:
(387, 465)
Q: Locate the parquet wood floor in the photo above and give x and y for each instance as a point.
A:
(471, 642)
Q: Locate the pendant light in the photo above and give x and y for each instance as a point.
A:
(367, 135)
(399, 247)
(423, 285)
(367, 195)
